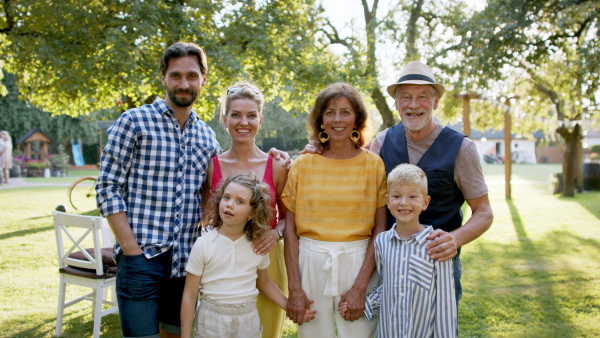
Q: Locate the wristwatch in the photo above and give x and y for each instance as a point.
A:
(280, 233)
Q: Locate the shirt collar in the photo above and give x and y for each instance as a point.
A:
(419, 237)
(161, 107)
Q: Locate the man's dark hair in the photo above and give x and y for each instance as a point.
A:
(181, 49)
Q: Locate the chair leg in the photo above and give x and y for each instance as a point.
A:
(61, 306)
(97, 312)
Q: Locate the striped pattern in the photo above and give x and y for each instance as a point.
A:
(329, 196)
(154, 171)
(416, 298)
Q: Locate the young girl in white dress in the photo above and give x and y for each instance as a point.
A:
(226, 269)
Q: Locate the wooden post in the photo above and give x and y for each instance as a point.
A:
(467, 116)
(466, 120)
(507, 146)
(507, 150)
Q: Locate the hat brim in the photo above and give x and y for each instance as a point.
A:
(391, 89)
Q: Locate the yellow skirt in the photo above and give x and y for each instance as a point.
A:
(271, 315)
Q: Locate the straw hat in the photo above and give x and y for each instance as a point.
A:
(418, 73)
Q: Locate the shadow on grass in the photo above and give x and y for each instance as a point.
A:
(75, 324)
(512, 286)
(588, 200)
(20, 233)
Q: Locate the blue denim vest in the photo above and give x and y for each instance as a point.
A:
(438, 164)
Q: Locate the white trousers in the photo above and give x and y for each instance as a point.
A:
(215, 320)
(328, 270)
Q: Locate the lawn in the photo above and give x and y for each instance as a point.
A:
(535, 273)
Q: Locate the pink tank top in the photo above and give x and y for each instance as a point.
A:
(217, 177)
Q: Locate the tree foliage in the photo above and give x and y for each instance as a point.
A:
(78, 56)
(18, 117)
(546, 52)
(406, 31)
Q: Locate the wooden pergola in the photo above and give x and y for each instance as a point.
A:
(506, 101)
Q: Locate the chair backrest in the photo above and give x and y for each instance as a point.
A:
(73, 232)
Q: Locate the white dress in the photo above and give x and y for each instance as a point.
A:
(6, 157)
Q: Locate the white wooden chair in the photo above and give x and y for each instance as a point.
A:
(80, 266)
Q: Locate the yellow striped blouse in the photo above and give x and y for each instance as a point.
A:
(335, 200)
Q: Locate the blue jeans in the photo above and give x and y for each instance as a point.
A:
(147, 296)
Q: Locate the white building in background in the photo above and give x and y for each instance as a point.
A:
(592, 138)
(490, 145)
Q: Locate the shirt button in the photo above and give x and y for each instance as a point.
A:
(177, 215)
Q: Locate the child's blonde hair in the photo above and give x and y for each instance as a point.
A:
(262, 212)
(408, 174)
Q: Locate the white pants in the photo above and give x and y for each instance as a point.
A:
(216, 320)
(328, 270)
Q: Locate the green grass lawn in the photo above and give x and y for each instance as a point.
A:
(535, 273)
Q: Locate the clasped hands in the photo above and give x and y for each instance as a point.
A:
(351, 306)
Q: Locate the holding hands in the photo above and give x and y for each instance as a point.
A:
(351, 306)
(298, 307)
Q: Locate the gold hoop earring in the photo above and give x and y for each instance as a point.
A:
(355, 136)
(323, 136)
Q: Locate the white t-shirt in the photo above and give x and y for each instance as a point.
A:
(228, 269)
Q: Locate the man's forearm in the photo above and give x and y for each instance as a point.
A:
(124, 234)
(480, 221)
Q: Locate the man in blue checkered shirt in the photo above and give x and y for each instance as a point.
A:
(149, 189)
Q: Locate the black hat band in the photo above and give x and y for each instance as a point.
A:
(416, 77)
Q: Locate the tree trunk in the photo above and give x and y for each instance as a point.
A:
(387, 114)
(572, 141)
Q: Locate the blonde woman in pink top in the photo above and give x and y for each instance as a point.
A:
(241, 115)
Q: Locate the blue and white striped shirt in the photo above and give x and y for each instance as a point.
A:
(154, 171)
(416, 298)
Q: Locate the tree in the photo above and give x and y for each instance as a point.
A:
(408, 31)
(545, 51)
(78, 56)
(18, 117)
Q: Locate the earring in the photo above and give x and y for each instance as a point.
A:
(323, 136)
(354, 136)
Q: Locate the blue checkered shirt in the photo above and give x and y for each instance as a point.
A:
(154, 171)
(416, 298)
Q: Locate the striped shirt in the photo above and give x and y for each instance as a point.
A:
(154, 171)
(335, 200)
(416, 298)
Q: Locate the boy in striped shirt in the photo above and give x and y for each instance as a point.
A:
(416, 297)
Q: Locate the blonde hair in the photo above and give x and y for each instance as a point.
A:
(240, 90)
(335, 91)
(404, 174)
(5, 136)
(262, 212)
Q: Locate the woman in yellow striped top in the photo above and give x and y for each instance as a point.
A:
(336, 206)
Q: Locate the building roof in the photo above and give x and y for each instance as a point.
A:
(491, 133)
(30, 133)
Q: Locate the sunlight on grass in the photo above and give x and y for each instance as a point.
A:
(535, 273)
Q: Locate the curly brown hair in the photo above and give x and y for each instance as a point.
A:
(334, 91)
(262, 212)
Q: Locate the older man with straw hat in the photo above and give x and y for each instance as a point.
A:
(449, 159)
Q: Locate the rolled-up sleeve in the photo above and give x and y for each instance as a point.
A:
(114, 167)
(373, 303)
